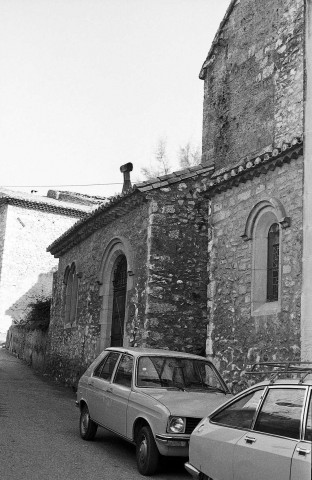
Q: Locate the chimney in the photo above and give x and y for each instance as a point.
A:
(126, 169)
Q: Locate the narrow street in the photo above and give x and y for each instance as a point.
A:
(39, 437)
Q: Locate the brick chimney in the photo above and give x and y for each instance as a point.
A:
(126, 169)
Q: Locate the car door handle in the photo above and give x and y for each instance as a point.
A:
(250, 439)
(303, 451)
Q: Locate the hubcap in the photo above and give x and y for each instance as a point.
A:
(85, 422)
(143, 450)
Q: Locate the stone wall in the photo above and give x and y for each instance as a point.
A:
(166, 306)
(236, 335)
(176, 311)
(254, 83)
(73, 348)
(29, 345)
(26, 267)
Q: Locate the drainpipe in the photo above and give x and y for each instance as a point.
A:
(306, 299)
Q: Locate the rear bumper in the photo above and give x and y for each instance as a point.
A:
(192, 471)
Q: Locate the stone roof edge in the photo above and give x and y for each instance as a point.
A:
(256, 166)
(217, 38)
(91, 217)
(46, 207)
(174, 177)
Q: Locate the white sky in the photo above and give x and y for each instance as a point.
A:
(88, 85)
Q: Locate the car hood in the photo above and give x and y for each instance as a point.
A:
(189, 403)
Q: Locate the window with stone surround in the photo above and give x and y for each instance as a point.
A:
(264, 228)
(273, 263)
(71, 294)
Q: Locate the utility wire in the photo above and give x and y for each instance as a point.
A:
(66, 185)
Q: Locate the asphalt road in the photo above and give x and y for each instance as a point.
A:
(39, 437)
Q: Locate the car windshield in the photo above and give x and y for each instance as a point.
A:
(179, 373)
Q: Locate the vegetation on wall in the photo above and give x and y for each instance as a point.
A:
(38, 317)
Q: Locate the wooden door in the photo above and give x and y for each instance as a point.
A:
(119, 302)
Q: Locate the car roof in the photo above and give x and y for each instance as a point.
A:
(138, 351)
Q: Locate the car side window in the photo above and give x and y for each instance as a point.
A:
(124, 371)
(240, 414)
(281, 412)
(106, 367)
(308, 429)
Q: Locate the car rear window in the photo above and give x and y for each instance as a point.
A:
(281, 412)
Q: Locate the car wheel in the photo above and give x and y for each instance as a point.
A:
(147, 454)
(87, 426)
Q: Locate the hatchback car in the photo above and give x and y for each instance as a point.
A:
(263, 433)
(153, 398)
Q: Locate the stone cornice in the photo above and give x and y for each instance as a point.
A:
(255, 167)
(102, 216)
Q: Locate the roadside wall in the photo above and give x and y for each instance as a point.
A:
(28, 345)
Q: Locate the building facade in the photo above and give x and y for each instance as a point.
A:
(253, 136)
(134, 272)
(28, 224)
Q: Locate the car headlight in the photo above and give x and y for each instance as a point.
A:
(176, 425)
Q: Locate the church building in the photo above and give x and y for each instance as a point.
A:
(215, 259)
(256, 136)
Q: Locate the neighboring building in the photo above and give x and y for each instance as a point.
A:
(255, 95)
(28, 224)
(134, 272)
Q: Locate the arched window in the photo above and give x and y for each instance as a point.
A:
(264, 227)
(71, 294)
(273, 263)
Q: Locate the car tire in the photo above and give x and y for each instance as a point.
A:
(87, 426)
(147, 454)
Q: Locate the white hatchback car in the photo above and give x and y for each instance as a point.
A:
(153, 398)
(263, 433)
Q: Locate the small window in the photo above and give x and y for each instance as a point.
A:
(273, 263)
(106, 367)
(240, 414)
(281, 412)
(308, 429)
(124, 371)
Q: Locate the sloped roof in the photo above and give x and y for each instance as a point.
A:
(217, 38)
(46, 204)
(119, 205)
(227, 178)
(174, 177)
